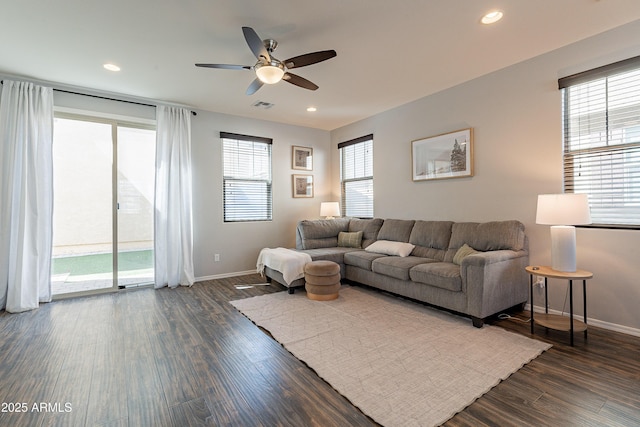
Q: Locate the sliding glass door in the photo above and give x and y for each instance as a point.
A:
(135, 188)
(103, 205)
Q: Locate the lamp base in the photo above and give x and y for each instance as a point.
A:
(563, 248)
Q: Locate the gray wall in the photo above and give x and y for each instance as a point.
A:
(515, 114)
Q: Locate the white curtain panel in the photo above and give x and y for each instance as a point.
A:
(173, 216)
(26, 195)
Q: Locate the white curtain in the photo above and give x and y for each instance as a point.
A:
(173, 217)
(26, 195)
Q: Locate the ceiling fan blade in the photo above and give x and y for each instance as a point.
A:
(255, 43)
(225, 66)
(254, 86)
(299, 81)
(309, 58)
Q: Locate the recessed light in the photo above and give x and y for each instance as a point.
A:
(111, 67)
(311, 109)
(492, 17)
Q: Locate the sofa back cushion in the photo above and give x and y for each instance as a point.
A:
(321, 233)
(431, 239)
(487, 236)
(369, 227)
(397, 230)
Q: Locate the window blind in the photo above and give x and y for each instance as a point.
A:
(601, 123)
(356, 177)
(246, 178)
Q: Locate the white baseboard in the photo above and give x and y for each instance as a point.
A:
(591, 321)
(224, 275)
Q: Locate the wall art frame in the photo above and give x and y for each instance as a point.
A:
(302, 158)
(444, 156)
(302, 185)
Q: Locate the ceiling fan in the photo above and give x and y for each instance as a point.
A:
(271, 70)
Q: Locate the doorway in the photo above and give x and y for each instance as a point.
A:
(104, 172)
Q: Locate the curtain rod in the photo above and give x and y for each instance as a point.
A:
(106, 97)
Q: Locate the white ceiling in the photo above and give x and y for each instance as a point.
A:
(389, 52)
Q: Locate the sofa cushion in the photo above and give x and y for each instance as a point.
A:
(397, 267)
(351, 239)
(322, 233)
(335, 254)
(443, 275)
(360, 259)
(431, 238)
(389, 247)
(498, 235)
(397, 230)
(369, 227)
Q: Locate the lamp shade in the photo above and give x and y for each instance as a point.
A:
(563, 209)
(329, 209)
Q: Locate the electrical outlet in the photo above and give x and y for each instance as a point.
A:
(216, 257)
(539, 282)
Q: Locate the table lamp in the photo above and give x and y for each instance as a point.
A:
(329, 209)
(562, 212)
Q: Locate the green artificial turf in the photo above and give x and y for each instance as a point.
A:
(82, 265)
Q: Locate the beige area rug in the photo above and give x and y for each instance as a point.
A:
(401, 363)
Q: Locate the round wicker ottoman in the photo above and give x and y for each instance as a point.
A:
(322, 280)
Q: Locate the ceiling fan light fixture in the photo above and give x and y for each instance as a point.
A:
(270, 74)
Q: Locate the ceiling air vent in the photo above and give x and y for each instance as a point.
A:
(262, 104)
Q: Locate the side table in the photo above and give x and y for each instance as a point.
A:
(553, 321)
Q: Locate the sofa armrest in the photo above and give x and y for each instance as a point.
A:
(490, 257)
(494, 281)
(299, 240)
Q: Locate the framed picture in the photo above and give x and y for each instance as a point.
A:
(302, 185)
(302, 158)
(449, 155)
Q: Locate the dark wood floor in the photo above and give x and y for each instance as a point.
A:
(186, 357)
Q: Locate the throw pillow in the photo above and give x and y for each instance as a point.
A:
(389, 247)
(350, 239)
(464, 251)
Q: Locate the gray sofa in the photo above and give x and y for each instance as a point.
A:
(488, 275)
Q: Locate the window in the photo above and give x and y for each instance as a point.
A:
(601, 123)
(356, 177)
(246, 177)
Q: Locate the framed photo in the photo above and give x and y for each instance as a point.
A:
(449, 155)
(302, 185)
(302, 158)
